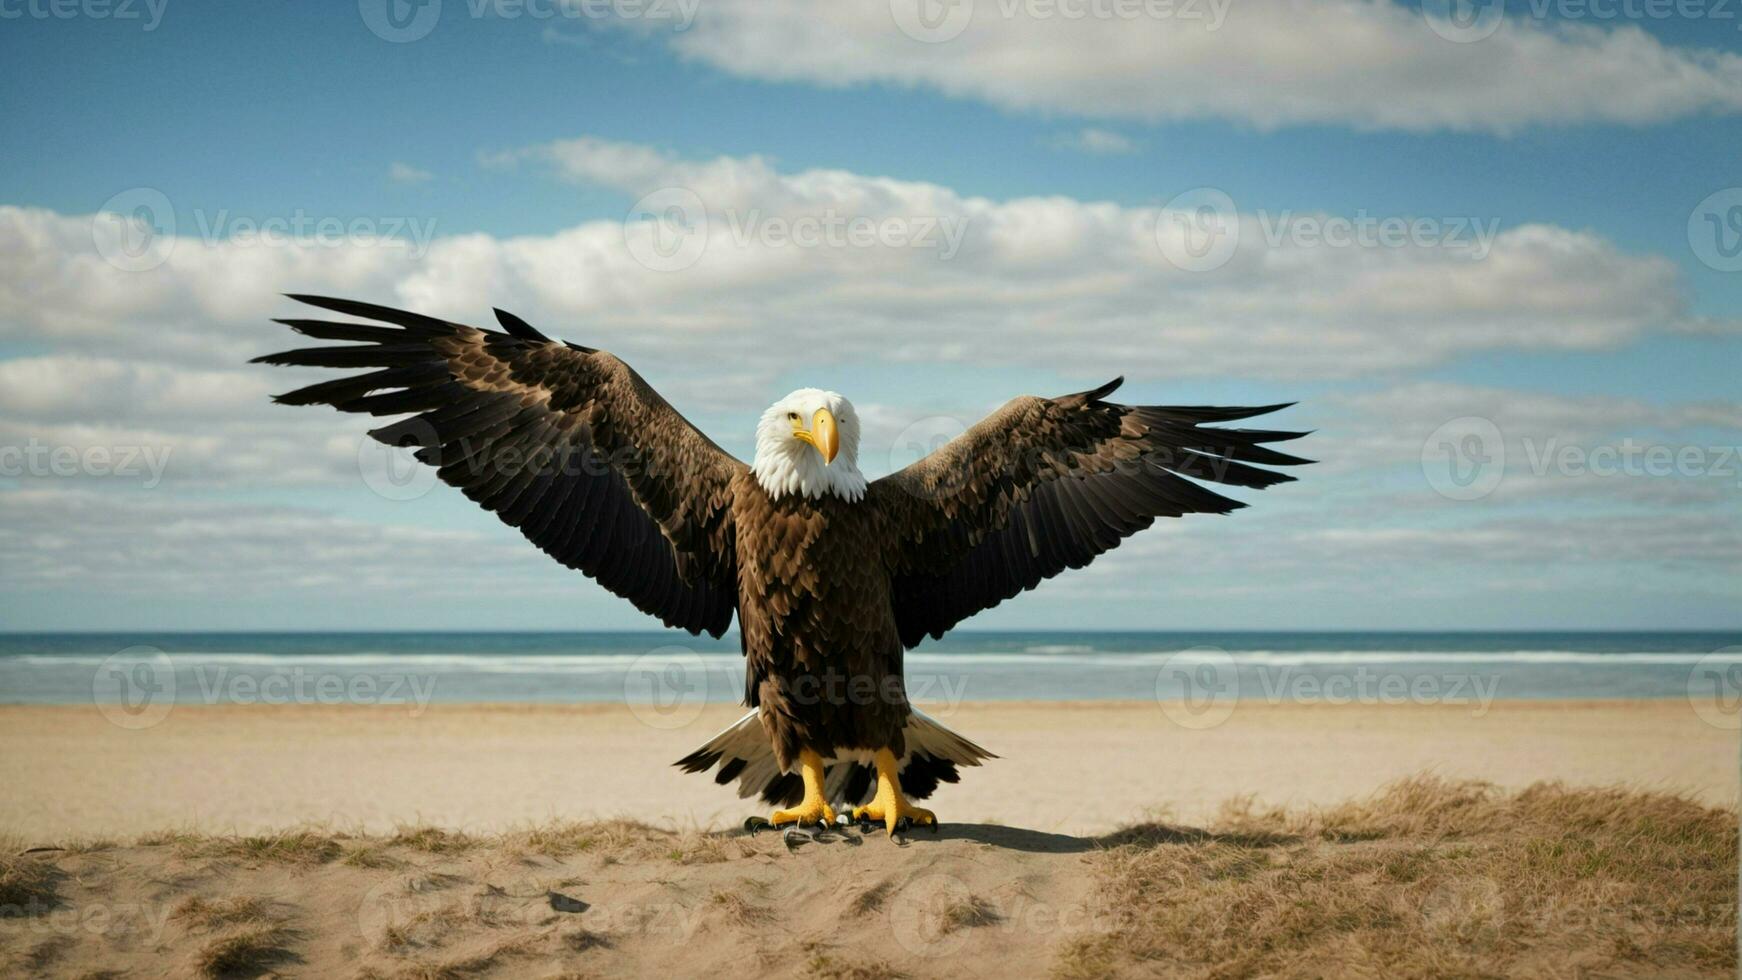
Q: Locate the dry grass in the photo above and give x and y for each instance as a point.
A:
(458, 967)
(967, 912)
(301, 847)
(199, 913)
(626, 840)
(872, 899)
(431, 840)
(372, 856)
(39, 955)
(89, 845)
(829, 967)
(739, 910)
(27, 885)
(245, 952)
(563, 839)
(1426, 878)
(581, 940)
(610, 841)
(426, 929)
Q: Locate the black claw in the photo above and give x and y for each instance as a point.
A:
(753, 824)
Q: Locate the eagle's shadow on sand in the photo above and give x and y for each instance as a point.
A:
(1044, 842)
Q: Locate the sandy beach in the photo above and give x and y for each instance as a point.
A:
(1078, 769)
(557, 841)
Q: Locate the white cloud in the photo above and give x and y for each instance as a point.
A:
(1390, 424)
(405, 173)
(1054, 282)
(158, 545)
(1100, 142)
(1369, 64)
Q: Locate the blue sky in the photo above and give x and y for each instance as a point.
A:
(521, 142)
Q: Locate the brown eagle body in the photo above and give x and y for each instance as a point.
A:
(832, 578)
(814, 617)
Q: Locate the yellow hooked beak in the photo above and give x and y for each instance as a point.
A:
(822, 434)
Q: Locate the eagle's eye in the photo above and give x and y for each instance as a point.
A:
(792, 416)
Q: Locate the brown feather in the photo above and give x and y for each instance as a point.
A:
(566, 443)
(1043, 485)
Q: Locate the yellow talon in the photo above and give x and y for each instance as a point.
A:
(813, 808)
(890, 806)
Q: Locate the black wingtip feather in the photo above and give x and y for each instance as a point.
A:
(517, 327)
(1096, 394)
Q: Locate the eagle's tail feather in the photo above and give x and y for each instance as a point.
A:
(742, 751)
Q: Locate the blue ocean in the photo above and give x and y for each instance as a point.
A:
(1282, 667)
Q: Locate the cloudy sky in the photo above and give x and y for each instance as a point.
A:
(1497, 259)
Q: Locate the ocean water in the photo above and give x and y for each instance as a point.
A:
(1200, 670)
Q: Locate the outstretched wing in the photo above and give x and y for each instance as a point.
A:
(1045, 484)
(566, 443)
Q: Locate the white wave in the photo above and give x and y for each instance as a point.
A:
(404, 662)
(1062, 657)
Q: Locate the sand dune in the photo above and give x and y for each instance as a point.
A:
(1430, 878)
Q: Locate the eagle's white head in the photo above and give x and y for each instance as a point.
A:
(808, 443)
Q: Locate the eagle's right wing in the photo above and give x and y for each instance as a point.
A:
(566, 443)
(1046, 484)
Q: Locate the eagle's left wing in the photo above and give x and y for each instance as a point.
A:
(1046, 484)
(566, 443)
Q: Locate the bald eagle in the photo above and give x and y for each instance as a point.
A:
(832, 577)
